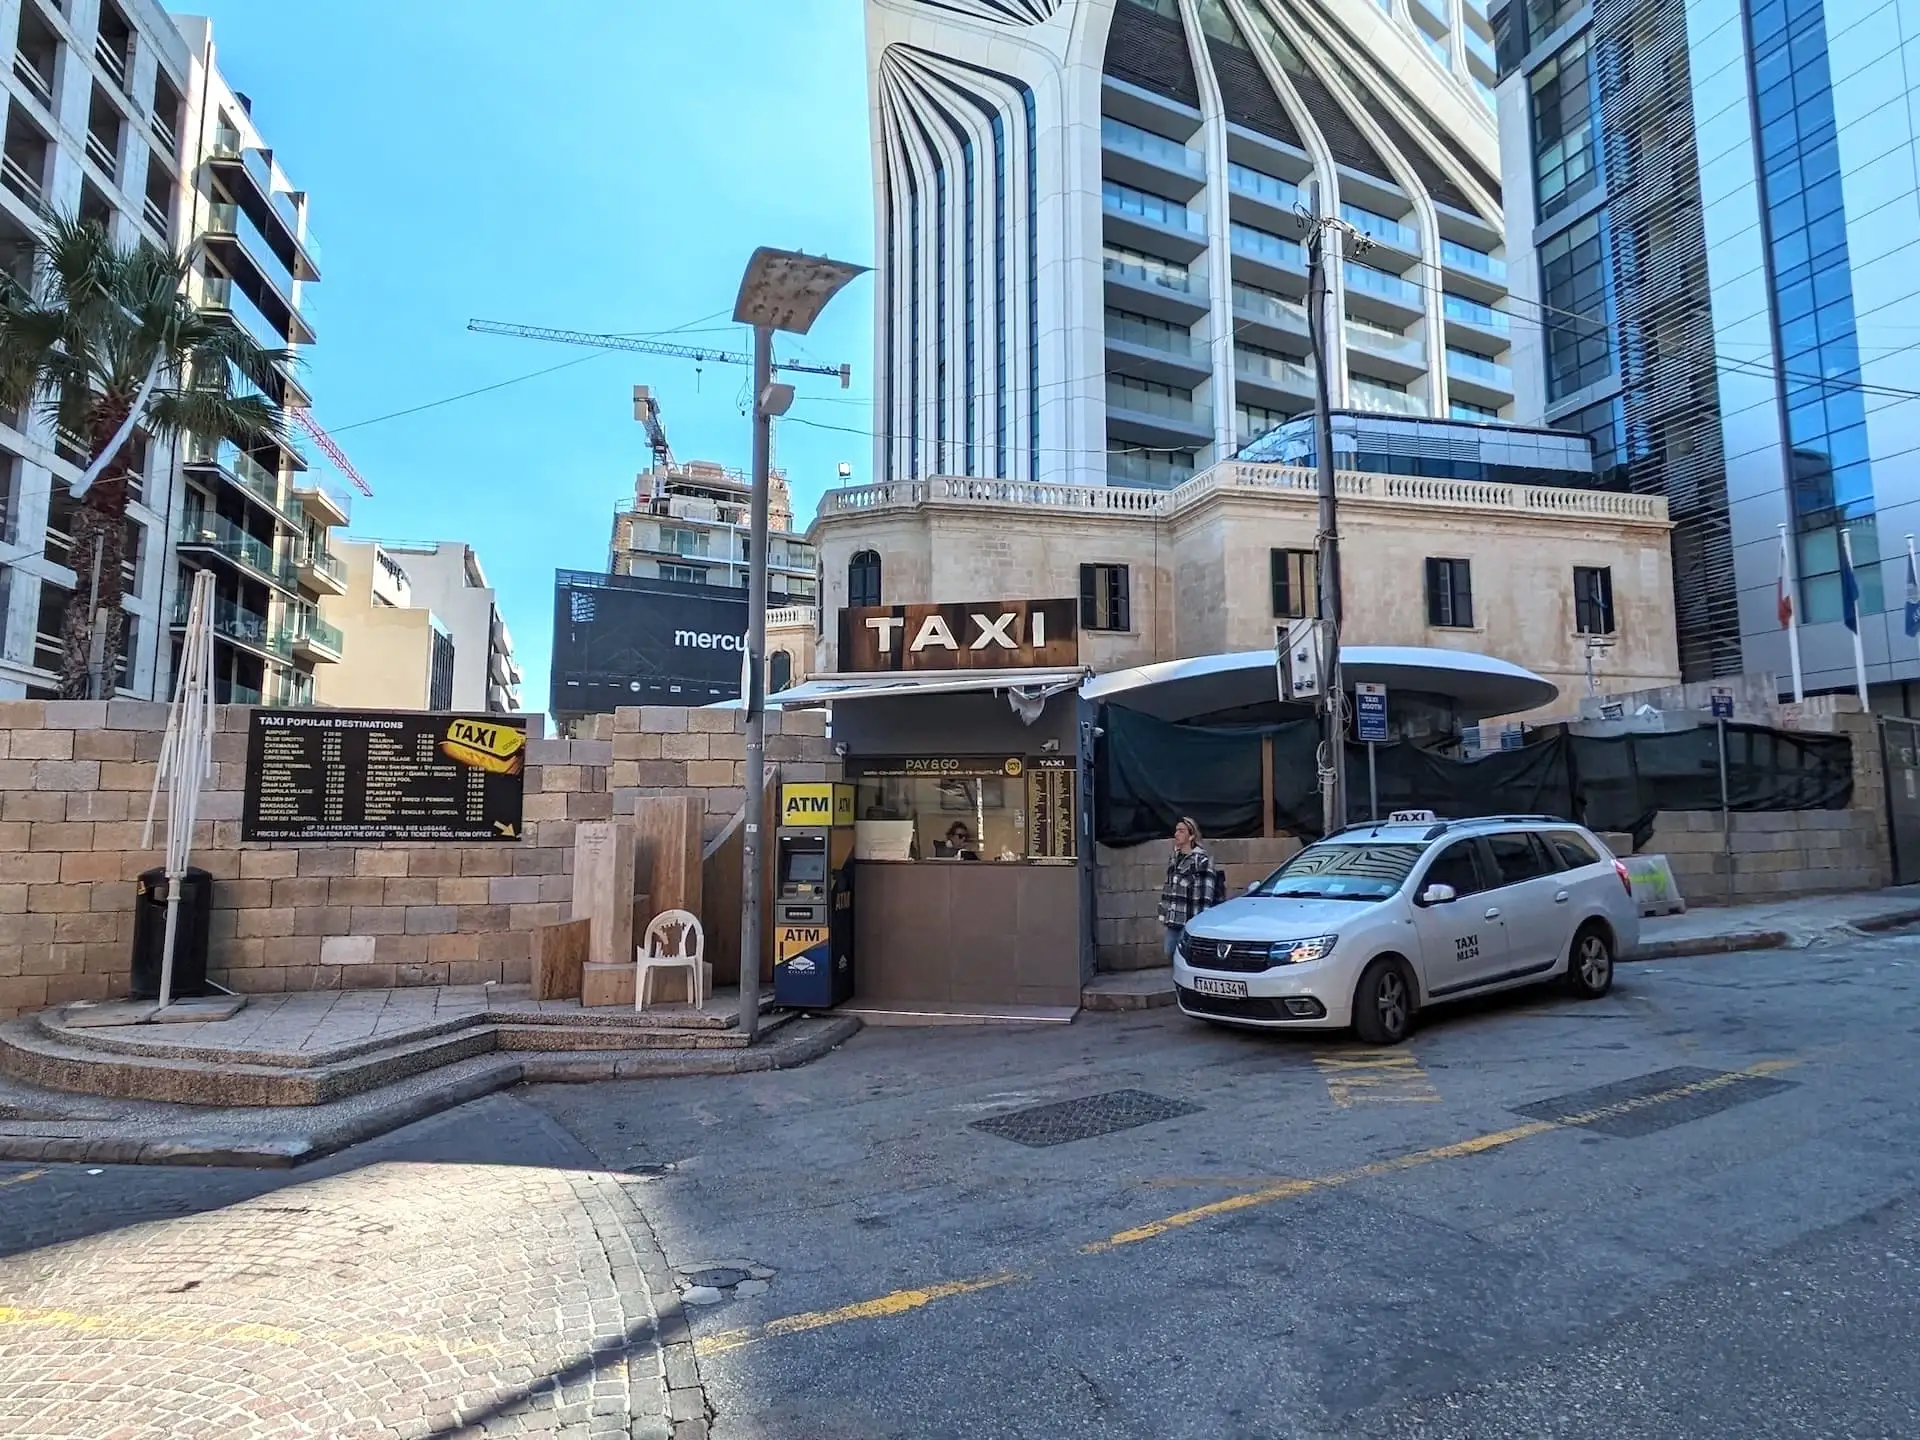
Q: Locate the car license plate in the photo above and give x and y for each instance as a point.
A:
(1233, 989)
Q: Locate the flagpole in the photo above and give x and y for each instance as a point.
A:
(1859, 650)
(1790, 602)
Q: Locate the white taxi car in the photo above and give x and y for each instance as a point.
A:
(1368, 926)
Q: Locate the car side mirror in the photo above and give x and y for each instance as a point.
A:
(1437, 894)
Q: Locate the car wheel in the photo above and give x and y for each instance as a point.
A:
(1590, 963)
(1383, 1003)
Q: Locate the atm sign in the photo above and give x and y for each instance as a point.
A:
(813, 803)
(797, 940)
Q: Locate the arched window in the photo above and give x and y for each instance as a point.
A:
(863, 579)
(779, 672)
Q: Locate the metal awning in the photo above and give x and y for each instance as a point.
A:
(827, 689)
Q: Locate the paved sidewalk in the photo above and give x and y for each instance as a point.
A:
(1773, 924)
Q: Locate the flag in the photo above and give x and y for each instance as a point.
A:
(1782, 595)
(1913, 594)
(1849, 585)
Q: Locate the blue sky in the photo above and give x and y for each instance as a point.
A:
(596, 165)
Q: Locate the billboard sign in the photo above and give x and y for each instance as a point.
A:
(622, 640)
(985, 635)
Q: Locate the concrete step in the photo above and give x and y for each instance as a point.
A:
(150, 1040)
(578, 1038)
(1129, 990)
(1124, 962)
(801, 1039)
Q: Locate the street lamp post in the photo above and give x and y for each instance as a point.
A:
(782, 290)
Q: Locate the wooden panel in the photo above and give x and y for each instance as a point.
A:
(603, 888)
(721, 894)
(559, 951)
(985, 934)
(667, 851)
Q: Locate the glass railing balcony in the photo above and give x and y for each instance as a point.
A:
(222, 294)
(1379, 227)
(1382, 400)
(327, 563)
(254, 477)
(335, 496)
(1295, 374)
(1151, 402)
(1472, 312)
(1261, 186)
(1439, 50)
(230, 219)
(1119, 135)
(1128, 331)
(1264, 245)
(1159, 277)
(1275, 308)
(229, 693)
(1125, 200)
(226, 143)
(1379, 282)
(305, 626)
(1147, 472)
(221, 535)
(1478, 367)
(292, 690)
(1463, 257)
(1480, 49)
(1385, 342)
(243, 627)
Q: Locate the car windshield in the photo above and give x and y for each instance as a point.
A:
(1342, 872)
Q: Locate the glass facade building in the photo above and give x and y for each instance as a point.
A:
(1714, 256)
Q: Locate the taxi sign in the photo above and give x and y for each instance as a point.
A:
(816, 803)
(1411, 817)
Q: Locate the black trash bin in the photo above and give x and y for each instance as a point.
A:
(189, 940)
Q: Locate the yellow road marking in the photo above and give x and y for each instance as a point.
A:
(22, 1178)
(900, 1302)
(125, 1327)
(1375, 1076)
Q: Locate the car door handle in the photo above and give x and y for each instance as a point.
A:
(1562, 898)
(1493, 912)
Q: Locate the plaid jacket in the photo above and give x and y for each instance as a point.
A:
(1192, 885)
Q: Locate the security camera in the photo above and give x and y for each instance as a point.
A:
(1051, 747)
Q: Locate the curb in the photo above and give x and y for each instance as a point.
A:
(1710, 945)
(1118, 1001)
(1892, 920)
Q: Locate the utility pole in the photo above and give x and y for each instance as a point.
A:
(1333, 759)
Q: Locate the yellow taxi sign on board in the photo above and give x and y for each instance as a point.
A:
(816, 803)
(486, 746)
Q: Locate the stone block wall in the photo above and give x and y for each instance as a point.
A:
(1128, 933)
(75, 777)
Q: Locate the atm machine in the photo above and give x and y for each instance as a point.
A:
(813, 905)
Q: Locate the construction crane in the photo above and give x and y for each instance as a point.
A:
(646, 410)
(696, 353)
(331, 448)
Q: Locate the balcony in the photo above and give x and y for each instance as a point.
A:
(100, 150)
(1377, 295)
(38, 81)
(1480, 50)
(1382, 230)
(1138, 346)
(24, 168)
(1262, 315)
(1270, 259)
(314, 640)
(322, 572)
(1147, 472)
(1142, 157)
(246, 474)
(231, 230)
(1148, 417)
(1477, 380)
(1484, 318)
(1382, 399)
(323, 500)
(1476, 263)
(114, 56)
(1163, 290)
(1141, 220)
(1259, 373)
(242, 627)
(217, 535)
(1406, 355)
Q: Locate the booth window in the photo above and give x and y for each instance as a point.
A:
(863, 579)
(1104, 601)
(1450, 594)
(980, 812)
(779, 672)
(1295, 584)
(1593, 599)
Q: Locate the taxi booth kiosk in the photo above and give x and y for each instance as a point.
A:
(970, 888)
(813, 931)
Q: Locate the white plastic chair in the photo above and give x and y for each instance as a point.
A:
(674, 941)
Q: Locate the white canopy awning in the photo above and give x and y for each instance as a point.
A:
(826, 689)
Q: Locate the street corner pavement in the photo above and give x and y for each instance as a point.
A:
(398, 1299)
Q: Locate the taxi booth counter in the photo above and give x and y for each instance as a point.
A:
(971, 883)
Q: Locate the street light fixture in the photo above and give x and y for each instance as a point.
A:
(782, 290)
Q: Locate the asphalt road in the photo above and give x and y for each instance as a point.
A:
(1688, 1210)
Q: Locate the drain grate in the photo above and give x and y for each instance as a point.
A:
(1628, 1109)
(1064, 1121)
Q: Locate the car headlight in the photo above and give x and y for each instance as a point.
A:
(1301, 952)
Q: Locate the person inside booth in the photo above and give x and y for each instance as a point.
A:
(958, 845)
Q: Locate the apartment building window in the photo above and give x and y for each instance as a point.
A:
(683, 542)
(1566, 127)
(685, 574)
(1104, 600)
(1449, 594)
(1578, 306)
(1593, 599)
(1296, 584)
(863, 579)
(440, 673)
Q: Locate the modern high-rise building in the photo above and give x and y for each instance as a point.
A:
(1715, 262)
(118, 112)
(1089, 235)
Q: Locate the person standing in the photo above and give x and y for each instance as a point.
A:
(1192, 883)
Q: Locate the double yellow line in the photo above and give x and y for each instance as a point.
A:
(900, 1302)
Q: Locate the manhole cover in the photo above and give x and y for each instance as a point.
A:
(718, 1279)
(1082, 1119)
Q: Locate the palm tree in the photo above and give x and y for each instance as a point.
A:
(103, 341)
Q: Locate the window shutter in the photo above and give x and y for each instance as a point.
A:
(1122, 598)
(1277, 577)
(1462, 593)
(1436, 604)
(1089, 600)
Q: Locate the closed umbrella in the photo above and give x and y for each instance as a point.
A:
(186, 758)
